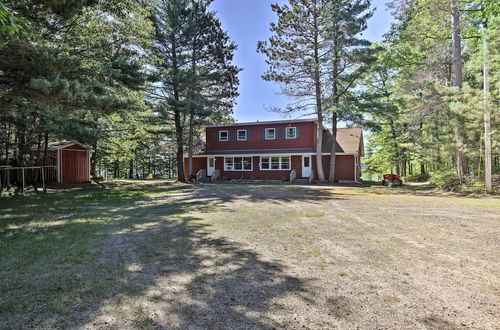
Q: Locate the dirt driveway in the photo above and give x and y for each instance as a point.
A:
(242, 256)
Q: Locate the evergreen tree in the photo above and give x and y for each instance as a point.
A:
(349, 57)
(297, 56)
(193, 72)
(317, 56)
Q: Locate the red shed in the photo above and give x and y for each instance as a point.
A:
(72, 162)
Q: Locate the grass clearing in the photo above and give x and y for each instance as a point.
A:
(230, 256)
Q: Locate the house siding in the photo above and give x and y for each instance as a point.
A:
(256, 141)
(344, 167)
(199, 163)
(347, 168)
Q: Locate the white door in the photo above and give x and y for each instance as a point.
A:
(210, 166)
(306, 166)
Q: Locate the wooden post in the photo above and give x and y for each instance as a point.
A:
(23, 181)
(43, 180)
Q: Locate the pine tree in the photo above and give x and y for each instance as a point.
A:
(296, 56)
(194, 75)
(349, 59)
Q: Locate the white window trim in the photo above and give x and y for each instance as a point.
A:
(294, 133)
(275, 169)
(238, 135)
(242, 170)
(220, 140)
(266, 130)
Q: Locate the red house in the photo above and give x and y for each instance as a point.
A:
(275, 150)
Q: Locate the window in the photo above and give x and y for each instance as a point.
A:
(307, 161)
(264, 163)
(270, 133)
(285, 163)
(242, 135)
(228, 164)
(238, 163)
(291, 132)
(275, 163)
(223, 135)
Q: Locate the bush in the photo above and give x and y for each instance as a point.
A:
(417, 177)
(446, 180)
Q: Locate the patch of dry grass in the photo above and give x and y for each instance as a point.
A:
(238, 256)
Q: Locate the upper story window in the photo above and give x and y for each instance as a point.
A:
(291, 132)
(242, 135)
(223, 135)
(270, 133)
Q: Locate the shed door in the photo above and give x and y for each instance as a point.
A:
(75, 166)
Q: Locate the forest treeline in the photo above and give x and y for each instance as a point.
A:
(137, 79)
(434, 94)
(133, 79)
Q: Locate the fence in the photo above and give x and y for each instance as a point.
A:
(25, 175)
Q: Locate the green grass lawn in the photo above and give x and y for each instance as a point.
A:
(164, 255)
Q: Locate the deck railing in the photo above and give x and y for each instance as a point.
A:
(311, 177)
(215, 175)
(201, 174)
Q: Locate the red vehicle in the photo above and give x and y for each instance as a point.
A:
(392, 178)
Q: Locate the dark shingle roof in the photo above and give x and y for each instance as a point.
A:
(348, 140)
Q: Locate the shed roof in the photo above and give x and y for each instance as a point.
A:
(348, 140)
(64, 144)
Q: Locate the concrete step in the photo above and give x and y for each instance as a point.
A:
(301, 181)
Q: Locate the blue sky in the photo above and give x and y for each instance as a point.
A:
(247, 21)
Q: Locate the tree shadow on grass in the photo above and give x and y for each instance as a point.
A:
(138, 261)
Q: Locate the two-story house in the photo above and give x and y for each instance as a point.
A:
(272, 150)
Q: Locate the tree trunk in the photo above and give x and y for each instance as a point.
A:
(131, 169)
(487, 114)
(336, 102)
(319, 108)
(190, 144)
(456, 69)
(180, 146)
(331, 178)
(93, 161)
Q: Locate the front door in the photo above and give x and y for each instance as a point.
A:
(210, 166)
(306, 166)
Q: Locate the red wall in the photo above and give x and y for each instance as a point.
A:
(255, 140)
(74, 165)
(199, 163)
(344, 167)
(256, 173)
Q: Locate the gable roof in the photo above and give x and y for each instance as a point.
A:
(286, 121)
(348, 140)
(64, 144)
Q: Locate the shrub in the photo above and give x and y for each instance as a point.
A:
(446, 180)
(417, 177)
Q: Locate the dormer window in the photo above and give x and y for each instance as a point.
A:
(242, 135)
(223, 135)
(291, 132)
(270, 133)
